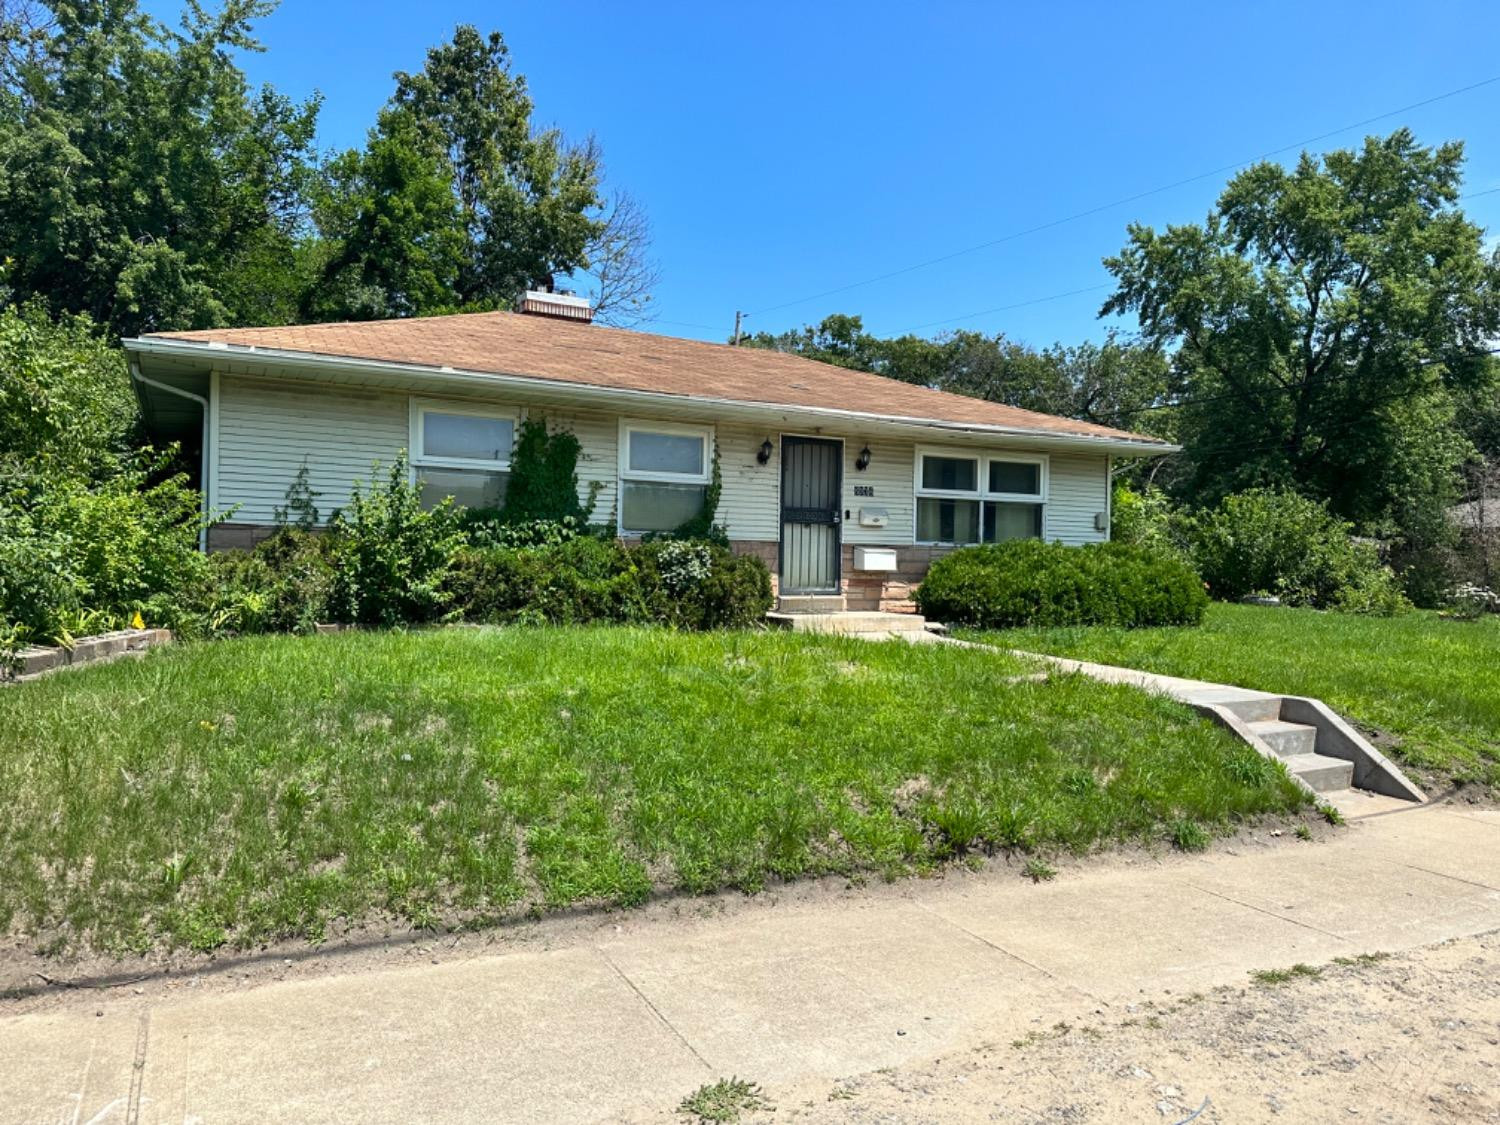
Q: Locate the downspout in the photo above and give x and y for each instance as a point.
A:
(135, 375)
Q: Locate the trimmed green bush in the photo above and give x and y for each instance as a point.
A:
(1028, 582)
(678, 583)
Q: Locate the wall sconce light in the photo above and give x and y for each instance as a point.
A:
(766, 449)
(862, 462)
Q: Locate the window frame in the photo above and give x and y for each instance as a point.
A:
(421, 407)
(625, 474)
(984, 457)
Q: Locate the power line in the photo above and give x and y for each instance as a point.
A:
(1126, 199)
(1084, 289)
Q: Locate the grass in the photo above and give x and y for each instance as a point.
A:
(1428, 682)
(723, 1101)
(1269, 978)
(272, 787)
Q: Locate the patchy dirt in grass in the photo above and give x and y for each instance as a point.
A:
(33, 980)
(1409, 1038)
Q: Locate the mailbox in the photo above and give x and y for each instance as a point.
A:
(874, 558)
(874, 517)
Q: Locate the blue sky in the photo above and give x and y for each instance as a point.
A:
(784, 150)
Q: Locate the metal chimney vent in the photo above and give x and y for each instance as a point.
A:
(559, 306)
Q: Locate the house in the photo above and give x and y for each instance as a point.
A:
(845, 483)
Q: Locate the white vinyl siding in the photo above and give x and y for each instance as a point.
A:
(1078, 490)
(266, 428)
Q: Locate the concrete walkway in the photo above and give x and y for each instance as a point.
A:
(630, 1016)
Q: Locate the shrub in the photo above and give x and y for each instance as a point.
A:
(702, 585)
(390, 555)
(678, 583)
(283, 585)
(1147, 519)
(1285, 544)
(578, 580)
(119, 547)
(1028, 582)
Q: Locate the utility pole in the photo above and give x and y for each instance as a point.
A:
(738, 316)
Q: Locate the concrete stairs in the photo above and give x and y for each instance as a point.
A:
(1319, 749)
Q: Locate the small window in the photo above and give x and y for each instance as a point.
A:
(1016, 478)
(466, 437)
(461, 453)
(678, 454)
(941, 520)
(950, 474)
(1003, 521)
(664, 475)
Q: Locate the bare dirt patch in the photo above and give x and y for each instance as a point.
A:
(1408, 1038)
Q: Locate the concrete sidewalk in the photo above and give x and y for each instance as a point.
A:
(629, 1023)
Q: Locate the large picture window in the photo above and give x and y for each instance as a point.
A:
(664, 474)
(462, 452)
(965, 498)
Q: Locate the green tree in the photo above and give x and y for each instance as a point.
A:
(1323, 317)
(526, 198)
(395, 236)
(141, 181)
(1116, 383)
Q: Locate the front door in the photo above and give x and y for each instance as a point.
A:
(811, 483)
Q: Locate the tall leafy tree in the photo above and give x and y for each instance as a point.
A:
(1323, 318)
(142, 182)
(526, 198)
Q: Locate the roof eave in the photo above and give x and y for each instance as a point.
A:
(313, 362)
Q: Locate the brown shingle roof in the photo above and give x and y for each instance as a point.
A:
(512, 344)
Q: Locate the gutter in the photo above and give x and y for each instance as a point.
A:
(217, 351)
(137, 379)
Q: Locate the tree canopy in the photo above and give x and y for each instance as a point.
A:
(1115, 383)
(145, 183)
(1324, 321)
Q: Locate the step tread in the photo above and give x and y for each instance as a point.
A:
(1323, 773)
(1279, 726)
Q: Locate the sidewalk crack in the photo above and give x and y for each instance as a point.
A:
(1268, 913)
(655, 1011)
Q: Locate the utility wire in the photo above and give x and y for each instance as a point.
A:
(1126, 199)
(1084, 289)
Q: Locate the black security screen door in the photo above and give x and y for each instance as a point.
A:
(811, 478)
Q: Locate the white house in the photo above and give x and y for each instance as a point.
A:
(842, 481)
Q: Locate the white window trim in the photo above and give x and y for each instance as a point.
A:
(626, 474)
(982, 492)
(423, 406)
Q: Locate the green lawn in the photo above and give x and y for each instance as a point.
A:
(1432, 684)
(264, 787)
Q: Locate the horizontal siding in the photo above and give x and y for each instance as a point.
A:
(1078, 490)
(267, 428)
(889, 474)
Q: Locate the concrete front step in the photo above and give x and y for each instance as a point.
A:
(1322, 774)
(811, 603)
(1286, 738)
(859, 622)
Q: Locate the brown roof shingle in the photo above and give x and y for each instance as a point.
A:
(513, 344)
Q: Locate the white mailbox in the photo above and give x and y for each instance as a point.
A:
(874, 558)
(874, 517)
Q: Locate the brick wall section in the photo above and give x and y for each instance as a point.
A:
(238, 536)
(886, 590)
